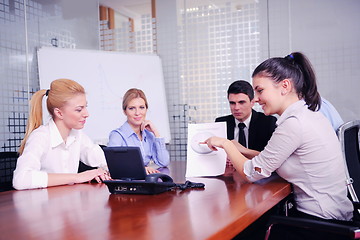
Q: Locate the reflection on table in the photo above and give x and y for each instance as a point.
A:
(224, 208)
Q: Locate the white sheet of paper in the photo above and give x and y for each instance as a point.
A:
(201, 161)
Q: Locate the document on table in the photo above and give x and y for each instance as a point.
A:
(201, 160)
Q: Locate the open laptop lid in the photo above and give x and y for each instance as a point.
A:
(125, 163)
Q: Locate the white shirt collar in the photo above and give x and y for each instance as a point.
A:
(55, 136)
(246, 122)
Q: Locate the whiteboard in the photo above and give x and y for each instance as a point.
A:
(106, 76)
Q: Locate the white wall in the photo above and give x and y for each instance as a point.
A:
(327, 31)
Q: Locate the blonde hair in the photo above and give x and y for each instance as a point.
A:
(61, 91)
(131, 94)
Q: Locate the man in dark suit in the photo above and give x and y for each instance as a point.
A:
(251, 128)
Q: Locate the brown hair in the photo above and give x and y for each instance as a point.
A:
(61, 91)
(297, 67)
(131, 94)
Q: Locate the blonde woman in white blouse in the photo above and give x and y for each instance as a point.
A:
(50, 154)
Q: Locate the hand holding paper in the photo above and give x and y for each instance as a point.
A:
(210, 147)
(214, 142)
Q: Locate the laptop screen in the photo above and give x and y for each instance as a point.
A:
(125, 163)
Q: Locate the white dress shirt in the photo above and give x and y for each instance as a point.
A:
(46, 152)
(305, 151)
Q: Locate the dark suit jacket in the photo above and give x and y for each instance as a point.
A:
(260, 129)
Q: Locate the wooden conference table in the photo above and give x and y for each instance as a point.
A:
(88, 211)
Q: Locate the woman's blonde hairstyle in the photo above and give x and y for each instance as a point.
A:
(61, 91)
(131, 94)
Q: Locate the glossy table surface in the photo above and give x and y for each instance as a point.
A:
(224, 208)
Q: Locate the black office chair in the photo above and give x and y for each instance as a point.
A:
(83, 167)
(7, 167)
(348, 135)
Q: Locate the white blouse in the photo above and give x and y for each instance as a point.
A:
(305, 151)
(46, 152)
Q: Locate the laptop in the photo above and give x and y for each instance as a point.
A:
(125, 163)
(127, 170)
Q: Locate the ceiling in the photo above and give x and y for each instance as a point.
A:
(140, 7)
(136, 7)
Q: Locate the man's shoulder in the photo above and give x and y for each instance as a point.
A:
(224, 118)
(259, 116)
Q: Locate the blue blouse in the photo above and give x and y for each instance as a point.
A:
(151, 147)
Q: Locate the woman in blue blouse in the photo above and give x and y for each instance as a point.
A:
(137, 131)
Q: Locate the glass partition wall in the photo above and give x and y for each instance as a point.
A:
(204, 46)
(26, 25)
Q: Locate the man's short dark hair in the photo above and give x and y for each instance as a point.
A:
(241, 86)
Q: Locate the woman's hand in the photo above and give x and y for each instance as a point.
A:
(214, 142)
(98, 174)
(148, 125)
(150, 170)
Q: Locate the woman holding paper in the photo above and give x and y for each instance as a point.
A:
(140, 132)
(304, 149)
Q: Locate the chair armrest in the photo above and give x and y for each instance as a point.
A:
(352, 231)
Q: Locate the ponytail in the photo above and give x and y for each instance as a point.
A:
(309, 90)
(35, 116)
(61, 91)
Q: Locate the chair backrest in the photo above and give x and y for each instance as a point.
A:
(348, 134)
(83, 167)
(7, 167)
